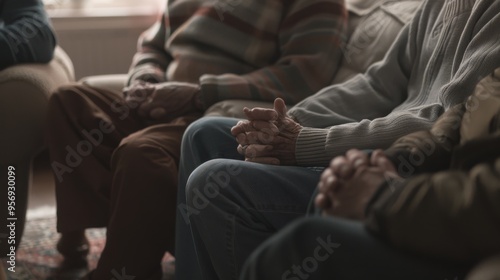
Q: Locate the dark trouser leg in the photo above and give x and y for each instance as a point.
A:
(332, 248)
(207, 138)
(143, 195)
(84, 126)
(236, 205)
(488, 269)
(83, 131)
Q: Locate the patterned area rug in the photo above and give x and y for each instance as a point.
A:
(37, 257)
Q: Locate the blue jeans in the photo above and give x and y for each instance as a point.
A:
(332, 248)
(205, 139)
(231, 205)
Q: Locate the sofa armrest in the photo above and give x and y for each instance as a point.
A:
(114, 82)
(24, 93)
(234, 108)
(45, 77)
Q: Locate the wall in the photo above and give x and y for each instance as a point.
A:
(101, 40)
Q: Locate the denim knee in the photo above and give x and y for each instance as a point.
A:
(207, 182)
(203, 130)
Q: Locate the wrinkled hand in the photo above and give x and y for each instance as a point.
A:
(350, 181)
(137, 93)
(268, 136)
(163, 102)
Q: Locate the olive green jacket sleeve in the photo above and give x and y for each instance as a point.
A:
(451, 215)
(428, 150)
(448, 204)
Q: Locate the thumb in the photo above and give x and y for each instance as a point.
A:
(280, 107)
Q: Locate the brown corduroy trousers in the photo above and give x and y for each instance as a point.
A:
(113, 170)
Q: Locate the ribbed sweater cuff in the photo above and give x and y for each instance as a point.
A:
(310, 148)
(146, 73)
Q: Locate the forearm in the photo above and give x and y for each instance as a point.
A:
(316, 147)
(451, 215)
(428, 150)
(26, 36)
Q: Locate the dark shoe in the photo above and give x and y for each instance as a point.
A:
(74, 246)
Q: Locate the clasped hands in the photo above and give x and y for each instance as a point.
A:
(348, 184)
(268, 136)
(163, 101)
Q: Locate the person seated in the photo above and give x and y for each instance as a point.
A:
(372, 27)
(115, 156)
(428, 207)
(232, 206)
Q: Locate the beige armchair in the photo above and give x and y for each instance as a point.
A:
(24, 93)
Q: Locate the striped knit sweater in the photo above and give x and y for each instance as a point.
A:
(235, 49)
(434, 64)
(25, 33)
